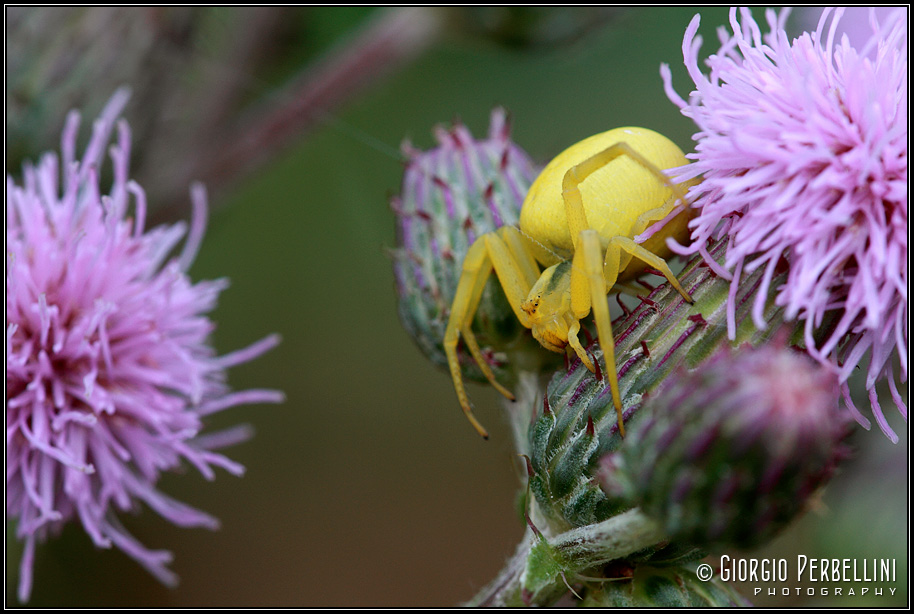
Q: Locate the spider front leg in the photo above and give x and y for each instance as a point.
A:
(516, 270)
(589, 287)
(593, 275)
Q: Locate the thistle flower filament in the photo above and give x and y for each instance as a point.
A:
(802, 150)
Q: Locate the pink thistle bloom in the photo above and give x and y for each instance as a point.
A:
(109, 375)
(802, 147)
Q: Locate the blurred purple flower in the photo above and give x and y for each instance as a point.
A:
(802, 147)
(109, 374)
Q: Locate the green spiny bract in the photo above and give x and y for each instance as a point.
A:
(566, 441)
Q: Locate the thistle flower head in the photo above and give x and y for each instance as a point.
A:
(728, 454)
(109, 374)
(451, 195)
(802, 149)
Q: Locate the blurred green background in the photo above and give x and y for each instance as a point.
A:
(367, 487)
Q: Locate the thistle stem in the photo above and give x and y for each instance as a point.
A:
(583, 548)
(606, 541)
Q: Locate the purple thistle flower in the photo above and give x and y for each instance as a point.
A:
(802, 147)
(109, 375)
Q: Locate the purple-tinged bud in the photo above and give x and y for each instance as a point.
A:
(729, 453)
(452, 195)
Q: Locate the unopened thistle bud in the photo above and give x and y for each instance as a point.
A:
(95, 51)
(451, 195)
(728, 454)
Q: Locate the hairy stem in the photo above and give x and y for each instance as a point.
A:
(582, 548)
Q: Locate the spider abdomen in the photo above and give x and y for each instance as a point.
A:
(613, 196)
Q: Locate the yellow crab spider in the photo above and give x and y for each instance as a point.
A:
(579, 221)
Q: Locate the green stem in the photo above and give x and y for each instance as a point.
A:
(579, 549)
(606, 541)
